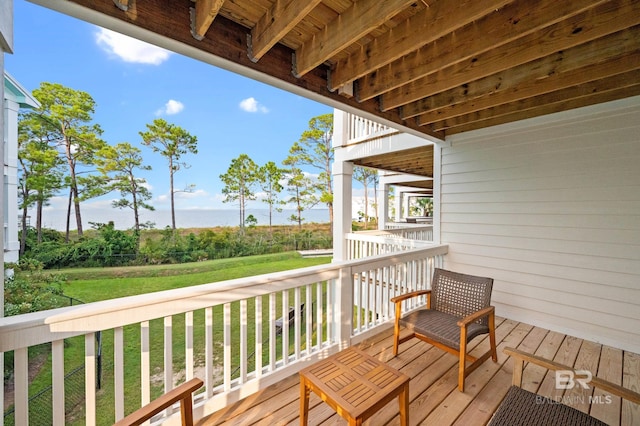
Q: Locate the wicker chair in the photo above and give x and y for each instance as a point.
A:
(458, 309)
(525, 408)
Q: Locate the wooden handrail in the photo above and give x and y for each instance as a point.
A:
(605, 385)
(182, 393)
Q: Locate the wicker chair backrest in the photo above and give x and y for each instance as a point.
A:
(460, 294)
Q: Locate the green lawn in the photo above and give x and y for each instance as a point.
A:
(91, 285)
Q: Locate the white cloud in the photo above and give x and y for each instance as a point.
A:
(252, 105)
(130, 49)
(170, 108)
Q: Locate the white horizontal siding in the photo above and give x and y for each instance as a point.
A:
(550, 208)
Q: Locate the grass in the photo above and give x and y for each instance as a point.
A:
(91, 285)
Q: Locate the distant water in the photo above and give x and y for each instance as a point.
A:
(200, 218)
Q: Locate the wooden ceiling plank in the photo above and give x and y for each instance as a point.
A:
(589, 89)
(205, 12)
(548, 68)
(281, 18)
(600, 97)
(582, 28)
(431, 23)
(536, 88)
(361, 18)
(515, 20)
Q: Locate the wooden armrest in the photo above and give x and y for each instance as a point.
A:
(182, 393)
(409, 295)
(475, 316)
(605, 385)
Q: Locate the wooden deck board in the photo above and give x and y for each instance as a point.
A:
(434, 398)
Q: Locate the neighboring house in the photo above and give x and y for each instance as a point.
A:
(15, 97)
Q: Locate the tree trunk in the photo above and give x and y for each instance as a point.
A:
(66, 238)
(39, 204)
(76, 206)
(173, 211)
(23, 237)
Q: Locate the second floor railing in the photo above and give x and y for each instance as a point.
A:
(236, 335)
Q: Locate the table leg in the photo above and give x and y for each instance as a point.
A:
(403, 400)
(304, 402)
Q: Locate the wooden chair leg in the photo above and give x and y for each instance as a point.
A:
(492, 337)
(463, 358)
(396, 329)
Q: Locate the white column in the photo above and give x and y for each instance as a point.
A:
(405, 204)
(342, 200)
(10, 185)
(383, 206)
(398, 205)
(437, 179)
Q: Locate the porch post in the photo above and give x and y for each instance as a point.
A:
(342, 172)
(398, 205)
(6, 45)
(383, 205)
(405, 204)
(342, 176)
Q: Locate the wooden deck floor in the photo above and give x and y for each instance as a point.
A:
(435, 399)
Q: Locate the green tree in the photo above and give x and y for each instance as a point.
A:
(270, 176)
(301, 189)
(314, 149)
(239, 182)
(121, 163)
(425, 205)
(365, 176)
(40, 174)
(67, 114)
(172, 142)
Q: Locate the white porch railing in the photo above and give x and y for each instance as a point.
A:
(372, 243)
(334, 306)
(360, 129)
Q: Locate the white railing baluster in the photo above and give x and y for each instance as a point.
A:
(21, 386)
(272, 332)
(57, 381)
(227, 346)
(90, 379)
(258, 348)
(145, 364)
(285, 327)
(208, 351)
(168, 354)
(118, 372)
(309, 318)
(296, 322)
(319, 310)
(188, 343)
(243, 340)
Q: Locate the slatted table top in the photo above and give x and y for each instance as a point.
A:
(354, 383)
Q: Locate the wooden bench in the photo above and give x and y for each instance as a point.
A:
(291, 317)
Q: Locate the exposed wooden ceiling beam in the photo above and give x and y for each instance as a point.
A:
(525, 106)
(550, 73)
(556, 81)
(431, 23)
(361, 18)
(123, 4)
(283, 16)
(513, 21)
(203, 14)
(550, 108)
(558, 37)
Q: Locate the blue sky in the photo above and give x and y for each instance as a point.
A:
(134, 83)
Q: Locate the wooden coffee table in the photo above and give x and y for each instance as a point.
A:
(354, 384)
